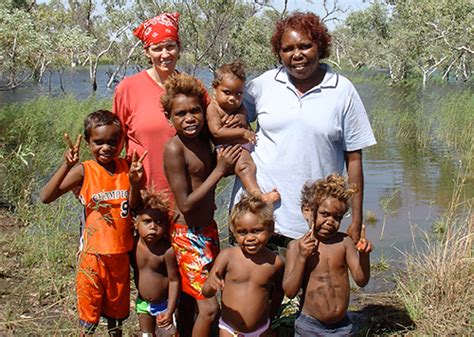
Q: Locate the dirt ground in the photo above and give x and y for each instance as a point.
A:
(23, 310)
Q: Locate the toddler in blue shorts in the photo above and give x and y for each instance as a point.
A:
(155, 269)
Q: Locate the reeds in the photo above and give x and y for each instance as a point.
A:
(437, 285)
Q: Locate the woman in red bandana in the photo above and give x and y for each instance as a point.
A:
(137, 104)
(137, 98)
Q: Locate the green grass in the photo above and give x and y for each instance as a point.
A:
(437, 285)
(39, 252)
(32, 142)
(43, 249)
(382, 264)
(370, 217)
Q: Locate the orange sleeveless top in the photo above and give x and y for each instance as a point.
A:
(108, 227)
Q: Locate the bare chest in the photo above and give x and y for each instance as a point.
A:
(200, 163)
(328, 264)
(146, 260)
(250, 274)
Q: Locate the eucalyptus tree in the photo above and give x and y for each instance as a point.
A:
(437, 35)
(21, 45)
(211, 33)
(410, 38)
(362, 40)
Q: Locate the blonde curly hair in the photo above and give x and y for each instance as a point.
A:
(254, 205)
(335, 185)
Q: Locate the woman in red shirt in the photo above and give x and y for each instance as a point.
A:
(137, 98)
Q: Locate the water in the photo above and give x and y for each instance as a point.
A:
(405, 187)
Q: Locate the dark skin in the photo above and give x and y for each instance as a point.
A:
(229, 95)
(135, 175)
(104, 142)
(300, 56)
(156, 271)
(249, 277)
(319, 263)
(190, 165)
(193, 173)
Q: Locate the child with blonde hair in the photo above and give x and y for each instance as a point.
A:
(248, 275)
(319, 261)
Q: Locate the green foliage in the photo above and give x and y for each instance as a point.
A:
(17, 49)
(252, 44)
(363, 38)
(53, 35)
(410, 37)
(31, 143)
(457, 117)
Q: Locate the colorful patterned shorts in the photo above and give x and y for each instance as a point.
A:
(196, 249)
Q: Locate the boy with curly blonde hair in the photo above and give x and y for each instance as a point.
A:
(319, 261)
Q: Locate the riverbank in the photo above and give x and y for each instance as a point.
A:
(423, 161)
(38, 299)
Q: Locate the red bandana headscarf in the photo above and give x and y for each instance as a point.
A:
(155, 30)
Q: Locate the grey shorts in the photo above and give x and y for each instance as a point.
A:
(306, 326)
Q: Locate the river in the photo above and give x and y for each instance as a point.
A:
(406, 189)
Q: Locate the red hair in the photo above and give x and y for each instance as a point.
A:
(308, 23)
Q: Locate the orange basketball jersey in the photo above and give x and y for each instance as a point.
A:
(108, 228)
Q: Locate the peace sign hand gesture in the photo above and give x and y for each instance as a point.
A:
(71, 156)
(136, 167)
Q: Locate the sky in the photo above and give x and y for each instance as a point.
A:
(316, 6)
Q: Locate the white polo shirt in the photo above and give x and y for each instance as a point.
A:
(302, 139)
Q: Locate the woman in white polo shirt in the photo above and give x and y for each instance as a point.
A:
(311, 123)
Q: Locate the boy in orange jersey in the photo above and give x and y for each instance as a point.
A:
(193, 172)
(103, 276)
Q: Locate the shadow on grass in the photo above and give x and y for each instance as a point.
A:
(383, 319)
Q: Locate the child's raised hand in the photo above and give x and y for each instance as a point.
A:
(136, 167)
(71, 156)
(250, 136)
(308, 245)
(364, 245)
(227, 157)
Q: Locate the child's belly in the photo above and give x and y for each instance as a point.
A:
(152, 286)
(245, 308)
(327, 299)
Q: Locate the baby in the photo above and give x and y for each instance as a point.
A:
(249, 275)
(225, 116)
